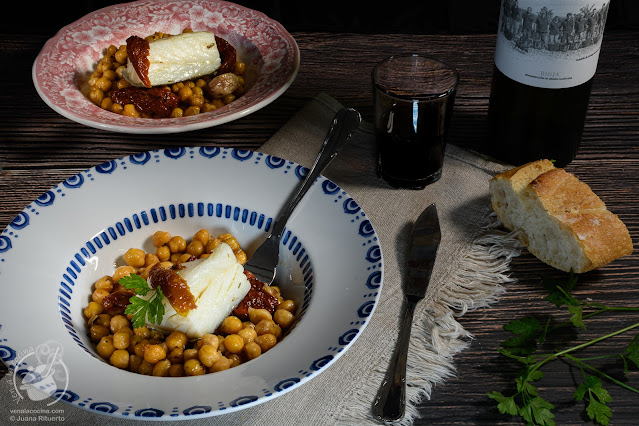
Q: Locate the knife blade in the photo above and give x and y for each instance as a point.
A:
(424, 243)
(390, 402)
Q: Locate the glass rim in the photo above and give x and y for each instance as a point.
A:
(452, 88)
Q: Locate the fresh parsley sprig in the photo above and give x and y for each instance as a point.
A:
(141, 309)
(529, 334)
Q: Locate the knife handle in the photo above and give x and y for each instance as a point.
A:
(390, 402)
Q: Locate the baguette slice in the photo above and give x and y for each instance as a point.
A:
(561, 221)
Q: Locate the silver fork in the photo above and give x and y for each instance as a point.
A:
(263, 263)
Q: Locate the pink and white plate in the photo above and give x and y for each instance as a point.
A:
(66, 60)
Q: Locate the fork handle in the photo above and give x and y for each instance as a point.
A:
(390, 402)
(344, 124)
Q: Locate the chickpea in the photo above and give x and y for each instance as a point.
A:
(221, 364)
(208, 355)
(209, 339)
(123, 271)
(190, 354)
(177, 112)
(135, 362)
(202, 236)
(184, 93)
(228, 99)
(288, 305)
(264, 327)
(252, 350)
(192, 110)
(96, 95)
(177, 244)
(212, 244)
(257, 315)
(99, 294)
(120, 358)
(116, 108)
(134, 257)
(133, 341)
(177, 339)
(118, 73)
(235, 360)
(230, 240)
(161, 368)
(140, 348)
(176, 356)
(121, 340)
(93, 308)
(247, 334)
(130, 111)
(196, 100)
(266, 341)
(193, 367)
(186, 257)
(97, 332)
(283, 318)
(122, 84)
(143, 332)
(145, 368)
(240, 67)
(151, 259)
(106, 103)
(105, 348)
(154, 353)
(163, 253)
(109, 75)
(231, 325)
(106, 283)
(111, 50)
(240, 256)
(118, 322)
(103, 83)
(102, 319)
(161, 238)
(200, 82)
(207, 107)
(176, 370)
(121, 55)
(195, 248)
(234, 343)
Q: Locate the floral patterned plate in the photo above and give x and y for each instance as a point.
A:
(271, 55)
(330, 264)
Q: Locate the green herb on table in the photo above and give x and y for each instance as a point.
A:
(529, 334)
(141, 309)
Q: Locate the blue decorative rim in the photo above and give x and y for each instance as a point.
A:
(144, 218)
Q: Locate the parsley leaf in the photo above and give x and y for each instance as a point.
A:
(141, 309)
(525, 340)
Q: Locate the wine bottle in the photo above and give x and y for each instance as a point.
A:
(545, 59)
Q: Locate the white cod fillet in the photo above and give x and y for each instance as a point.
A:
(177, 58)
(218, 285)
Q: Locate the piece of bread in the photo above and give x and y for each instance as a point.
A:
(559, 219)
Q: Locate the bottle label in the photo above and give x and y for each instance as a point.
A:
(550, 43)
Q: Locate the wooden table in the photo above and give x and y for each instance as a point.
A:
(39, 148)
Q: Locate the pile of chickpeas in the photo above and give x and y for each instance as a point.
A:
(151, 352)
(193, 98)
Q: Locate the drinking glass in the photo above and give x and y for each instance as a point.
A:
(413, 99)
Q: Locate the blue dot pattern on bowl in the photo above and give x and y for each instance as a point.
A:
(172, 211)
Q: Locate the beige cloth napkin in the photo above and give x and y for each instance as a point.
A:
(471, 266)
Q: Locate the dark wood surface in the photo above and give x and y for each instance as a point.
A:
(39, 148)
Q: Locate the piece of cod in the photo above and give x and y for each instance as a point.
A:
(218, 285)
(177, 58)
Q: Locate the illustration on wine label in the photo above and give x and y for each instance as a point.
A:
(551, 44)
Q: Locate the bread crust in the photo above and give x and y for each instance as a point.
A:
(559, 218)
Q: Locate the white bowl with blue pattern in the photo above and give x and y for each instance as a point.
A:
(56, 248)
